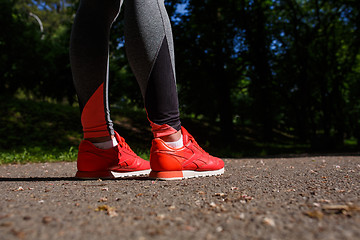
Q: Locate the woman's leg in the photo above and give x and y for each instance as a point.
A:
(149, 45)
(90, 63)
(150, 51)
(89, 50)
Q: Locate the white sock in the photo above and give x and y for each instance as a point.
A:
(107, 145)
(177, 144)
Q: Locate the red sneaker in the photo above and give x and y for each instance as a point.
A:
(191, 160)
(119, 161)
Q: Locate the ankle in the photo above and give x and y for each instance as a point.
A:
(104, 142)
(174, 140)
(172, 137)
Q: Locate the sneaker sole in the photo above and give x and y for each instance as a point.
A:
(110, 174)
(179, 175)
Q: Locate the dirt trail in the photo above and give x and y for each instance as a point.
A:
(277, 198)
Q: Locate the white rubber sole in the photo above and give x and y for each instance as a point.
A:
(130, 174)
(186, 174)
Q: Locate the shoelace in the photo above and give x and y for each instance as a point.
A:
(124, 145)
(192, 139)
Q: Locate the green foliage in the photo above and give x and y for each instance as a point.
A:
(32, 60)
(37, 154)
(33, 124)
(319, 45)
(38, 131)
(33, 131)
(272, 65)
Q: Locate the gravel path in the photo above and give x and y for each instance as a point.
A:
(275, 198)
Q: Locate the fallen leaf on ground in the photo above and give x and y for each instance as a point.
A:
(219, 229)
(19, 189)
(109, 210)
(217, 207)
(236, 196)
(333, 209)
(315, 214)
(18, 233)
(103, 199)
(240, 216)
(269, 221)
(6, 224)
(338, 208)
(160, 217)
(212, 204)
(220, 194)
(172, 207)
(47, 219)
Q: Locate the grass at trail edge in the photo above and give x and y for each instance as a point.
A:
(33, 131)
(40, 131)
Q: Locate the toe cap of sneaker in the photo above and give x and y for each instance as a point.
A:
(210, 164)
(215, 163)
(134, 164)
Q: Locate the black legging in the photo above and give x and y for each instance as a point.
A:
(149, 47)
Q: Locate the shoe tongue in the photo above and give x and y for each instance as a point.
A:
(185, 135)
(121, 142)
(117, 136)
(185, 138)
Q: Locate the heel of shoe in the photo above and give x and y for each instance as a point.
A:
(166, 175)
(94, 175)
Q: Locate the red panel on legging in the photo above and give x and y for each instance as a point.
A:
(161, 130)
(93, 117)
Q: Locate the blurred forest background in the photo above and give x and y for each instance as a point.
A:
(254, 78)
